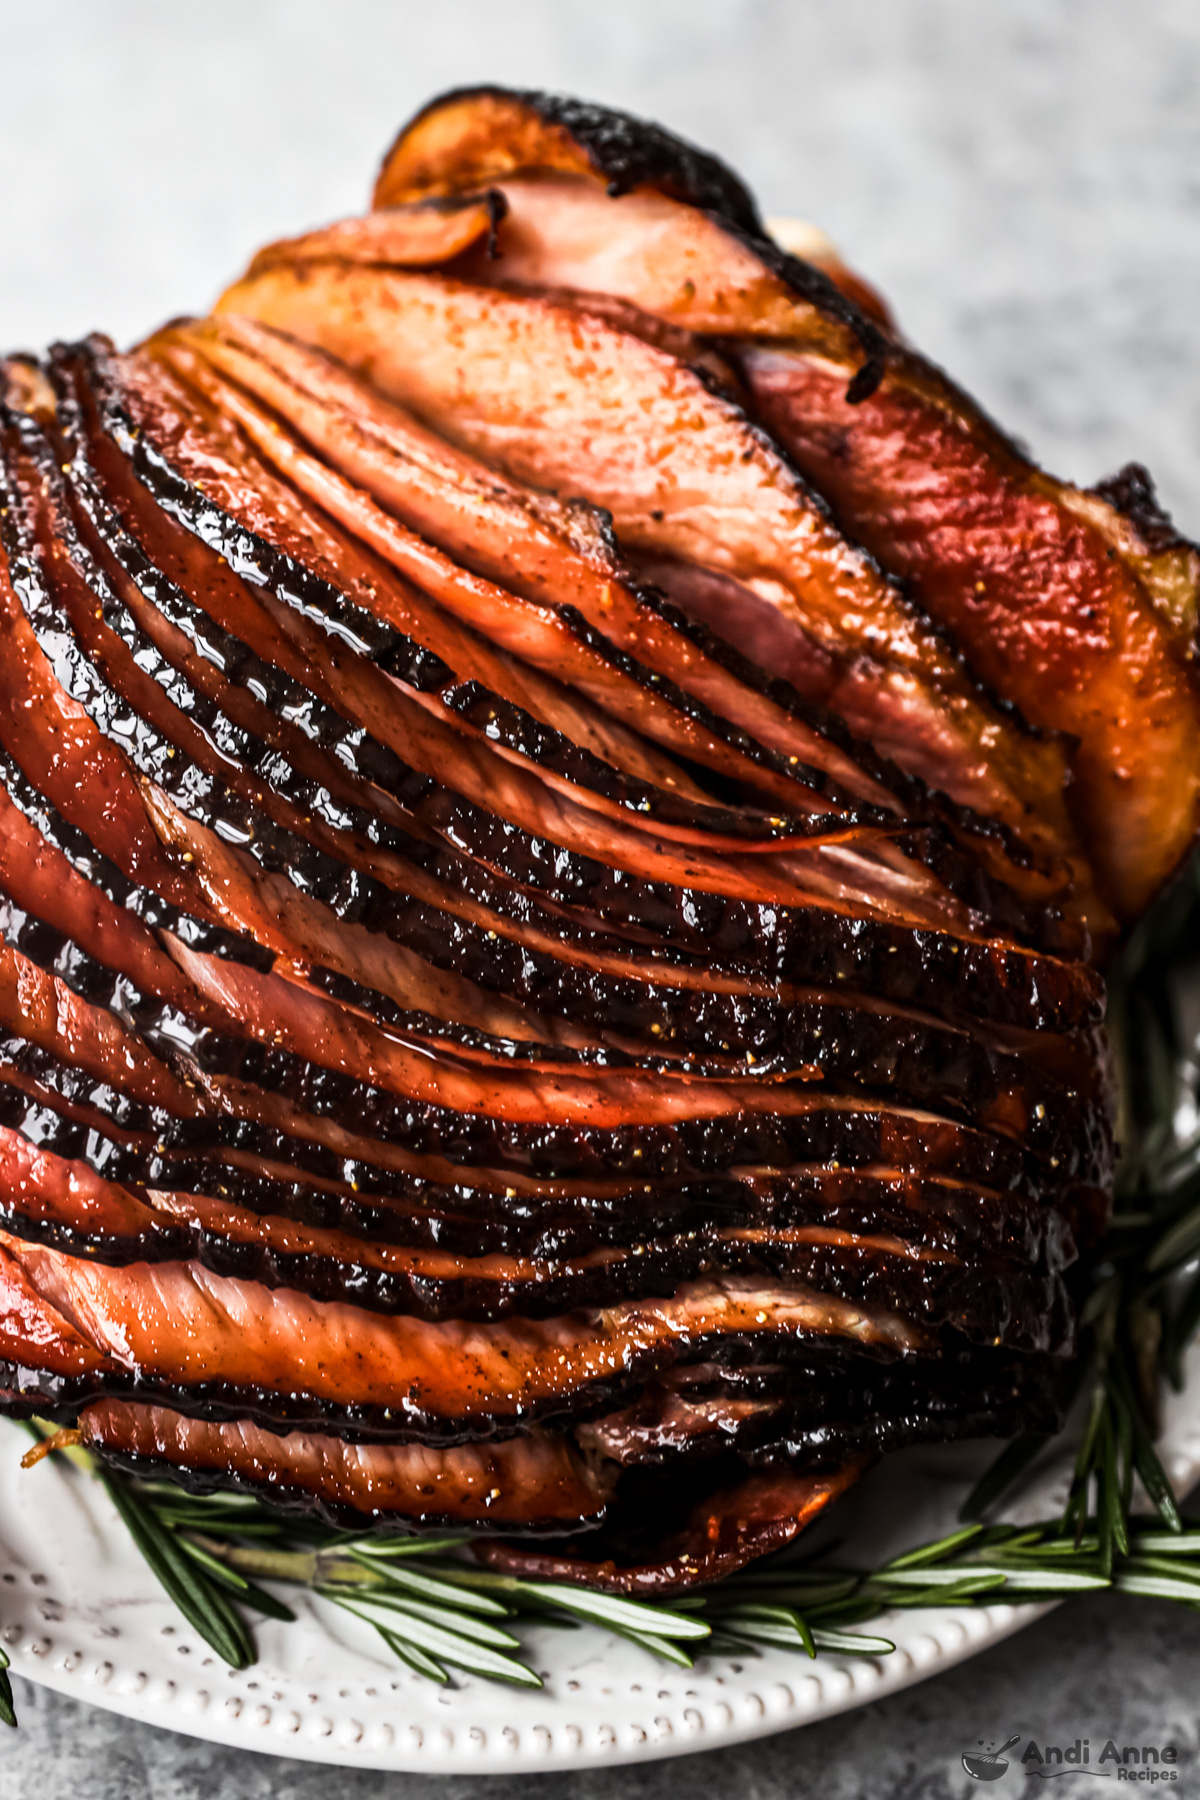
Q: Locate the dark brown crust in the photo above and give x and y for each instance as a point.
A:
(912, 1184)
(622, 150)
(45, 1199)
(1132, 492)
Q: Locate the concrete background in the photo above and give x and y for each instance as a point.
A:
(1022, 177)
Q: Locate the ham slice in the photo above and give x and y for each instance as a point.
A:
(429, 232)
(724, 1532)
(535, 1483)
(175, 1327)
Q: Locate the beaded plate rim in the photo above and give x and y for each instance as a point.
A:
(320, 1693)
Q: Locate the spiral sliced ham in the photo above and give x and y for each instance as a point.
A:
(1079, 607)
(551, 899)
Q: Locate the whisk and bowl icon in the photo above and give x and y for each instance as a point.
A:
(988, 1765)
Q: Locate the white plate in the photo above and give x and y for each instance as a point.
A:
(81, 1613)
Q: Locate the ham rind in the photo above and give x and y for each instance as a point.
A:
(498, 132)
(1081, 612)
(417, 236)
(62, 1204)
(480, 1212)
(178, 1332)
(537, 1482)
(295, 1110)
(546, 397)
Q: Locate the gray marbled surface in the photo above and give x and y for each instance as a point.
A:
(1021, 176)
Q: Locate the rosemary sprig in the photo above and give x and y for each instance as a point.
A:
(432, 1606)
(436, 1610)
(1135, 1322)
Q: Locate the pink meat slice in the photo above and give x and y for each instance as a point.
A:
(546, 391)
(179, 1323)
(533, 1480)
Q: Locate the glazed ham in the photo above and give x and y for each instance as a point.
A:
(557, 845)
(1077, 606)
